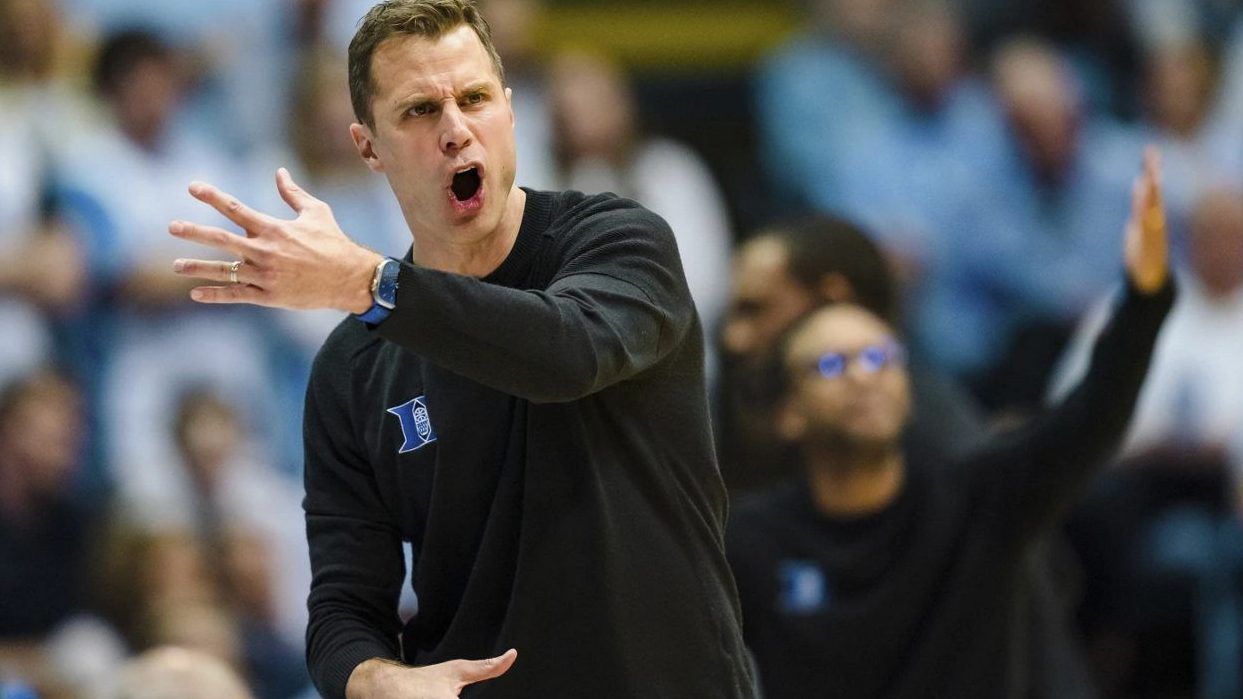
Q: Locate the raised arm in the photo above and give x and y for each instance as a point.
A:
(618, 304)
(1039, 470)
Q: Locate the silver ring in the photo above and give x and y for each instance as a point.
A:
(233, 267)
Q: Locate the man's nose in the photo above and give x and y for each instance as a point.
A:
(454, 135)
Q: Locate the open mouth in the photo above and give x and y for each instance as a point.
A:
(466, 184)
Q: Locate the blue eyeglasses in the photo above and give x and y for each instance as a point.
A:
(871, 359)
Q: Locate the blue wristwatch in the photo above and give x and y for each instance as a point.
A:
(383, 291)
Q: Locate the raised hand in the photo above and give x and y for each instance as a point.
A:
(304, 263)
(378, 679)
(1147, 247)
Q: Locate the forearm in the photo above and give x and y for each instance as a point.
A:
(353, 599)
(357, 562)
(1050, 462)
(577, 337)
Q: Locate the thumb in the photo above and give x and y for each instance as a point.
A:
(296, 197)
(470, 671)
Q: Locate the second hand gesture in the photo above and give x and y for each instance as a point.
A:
(307, 262)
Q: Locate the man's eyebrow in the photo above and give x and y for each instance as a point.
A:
(417, 98)
(409, 101)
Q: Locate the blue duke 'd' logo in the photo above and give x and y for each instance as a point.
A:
(801, 588)
(416, 424)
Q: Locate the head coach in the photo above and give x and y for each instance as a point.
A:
(522, 398)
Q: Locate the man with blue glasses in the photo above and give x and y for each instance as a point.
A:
(873, 577)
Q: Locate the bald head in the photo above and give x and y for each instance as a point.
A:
(847, 380)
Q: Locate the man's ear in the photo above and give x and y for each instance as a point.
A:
(834, 287)
(364, 141)
(509, 102)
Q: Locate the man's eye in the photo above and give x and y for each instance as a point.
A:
(420, 110)
(475, 98)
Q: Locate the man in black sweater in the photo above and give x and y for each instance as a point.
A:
(869, 578)
(522, 399)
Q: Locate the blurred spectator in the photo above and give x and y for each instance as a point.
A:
(45, 532)
(515, 25)
(871, 114)
(250, 515)
(1097, 38)
(41, 267)
(178, 673)
(235, 55)
(1035, 243)
(47, 539)
(41, 74)
(122, 187)
(819, 98)
(600, 148)
(1199, 151)
(873, 575)
(780, 275)
(1193, 397)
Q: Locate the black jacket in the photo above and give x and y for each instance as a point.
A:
(541, 437)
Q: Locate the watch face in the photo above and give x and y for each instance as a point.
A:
(385, 291)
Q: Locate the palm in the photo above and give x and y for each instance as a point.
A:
(1147, 247)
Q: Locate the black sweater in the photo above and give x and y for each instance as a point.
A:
(926, 598)
(556, 476)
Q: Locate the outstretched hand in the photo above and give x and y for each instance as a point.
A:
(307, 262)
(1147, 246)
(377, 679)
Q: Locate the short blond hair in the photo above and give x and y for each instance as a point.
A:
(430, 19)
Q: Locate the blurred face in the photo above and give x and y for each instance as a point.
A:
(593, 107)
(28, 30)
(144, 101)
(766, 300)
(1217, 242)
(444, 134)
(859, 21)
(43, 437)
(211, 437)
(513, 24)
(1039, 98)
(928, 53)
(331, 113)
(1179, 87)
(849, 384)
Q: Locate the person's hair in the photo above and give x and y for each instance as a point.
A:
(121, 53)
(429, 19)
(823, 245)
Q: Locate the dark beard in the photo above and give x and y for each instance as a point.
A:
(842, 450)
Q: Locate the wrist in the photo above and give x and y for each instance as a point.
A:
(368, 676)
(359, 298)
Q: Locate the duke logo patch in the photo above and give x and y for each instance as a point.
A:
(416, 424)
(801, 588)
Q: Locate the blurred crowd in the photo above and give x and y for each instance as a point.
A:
(963, 169)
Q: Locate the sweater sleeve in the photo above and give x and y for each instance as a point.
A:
(1039, 470)
(616, 306)
(357, 563)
